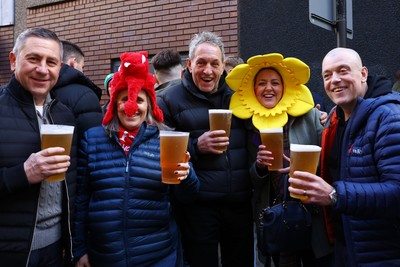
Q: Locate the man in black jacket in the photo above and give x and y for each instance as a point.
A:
(222, 215)
(77, 91)
(34, 214)
(167, 66)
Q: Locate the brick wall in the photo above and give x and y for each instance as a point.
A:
(106, 28)
(6, 45)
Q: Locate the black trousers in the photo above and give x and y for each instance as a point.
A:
(210, 227)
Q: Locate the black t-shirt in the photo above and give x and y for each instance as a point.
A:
(334, 168)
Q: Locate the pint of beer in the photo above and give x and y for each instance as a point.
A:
(54, 135)
(273, 140)
(220, 119)
(303, 158)
(173, 147)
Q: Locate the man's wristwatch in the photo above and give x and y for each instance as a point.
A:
(333, 196)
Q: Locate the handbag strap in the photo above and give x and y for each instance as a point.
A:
(285, 190)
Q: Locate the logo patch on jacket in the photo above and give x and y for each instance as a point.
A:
(357, 151)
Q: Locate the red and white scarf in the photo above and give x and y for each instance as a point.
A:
(126, 138)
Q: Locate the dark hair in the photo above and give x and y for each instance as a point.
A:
(397, 75)
(166, 59)
(72, 50)
(233, 61)
(268, 68)
(35, 32)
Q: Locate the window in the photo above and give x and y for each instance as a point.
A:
(6, 12)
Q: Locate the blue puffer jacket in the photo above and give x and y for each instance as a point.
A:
(123, 215)
(369, 185)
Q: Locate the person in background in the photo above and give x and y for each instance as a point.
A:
(34, 214)
(231, 62)
(221, 215)
(73, 55)
(167, 66)
(359, 184)
(77, 91)
(396, 85)
(107, 81)
(319, 102)
(268, 85)
(123, 215)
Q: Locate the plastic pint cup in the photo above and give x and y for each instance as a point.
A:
(220, 119)
(273, 140)
(54, 135)
(173, 147)
(303, 158)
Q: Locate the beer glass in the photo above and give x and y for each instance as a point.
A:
(220, 119)
(303, 158)
(54, 135)
(273, 140)
(173, 147)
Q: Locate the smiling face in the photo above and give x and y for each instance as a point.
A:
(206, 67)
(133, 122)
(344, 78)
(268, 87)
(37, 66)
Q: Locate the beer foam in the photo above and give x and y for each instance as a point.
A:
(304, 148)
(219, 111)
(272, 130)
(173, 133)
(56, 129)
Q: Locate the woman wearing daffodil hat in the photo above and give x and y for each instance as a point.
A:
(270, 92)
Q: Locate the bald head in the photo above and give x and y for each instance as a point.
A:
(345, 78)
(348, 53)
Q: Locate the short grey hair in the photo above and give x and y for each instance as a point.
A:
(206, 37)
(35, 32)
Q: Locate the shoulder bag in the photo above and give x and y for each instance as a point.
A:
(285, 226)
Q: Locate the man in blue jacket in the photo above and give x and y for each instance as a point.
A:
(34, 214)
(360, 184)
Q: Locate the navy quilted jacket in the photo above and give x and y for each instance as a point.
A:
(369, 185)
(19, 138)
(222, 177)
(123, 215)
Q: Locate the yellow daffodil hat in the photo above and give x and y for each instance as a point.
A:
(296, 99)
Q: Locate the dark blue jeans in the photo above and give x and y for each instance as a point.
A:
(50, 256)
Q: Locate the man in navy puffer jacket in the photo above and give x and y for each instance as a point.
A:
(34, 214)
(360, 159)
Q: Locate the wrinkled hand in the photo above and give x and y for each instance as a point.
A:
(209, 141)
(316, 189)
(83, 261)
(264, 157)
(39, 166)
(323, 117)
(183, 168)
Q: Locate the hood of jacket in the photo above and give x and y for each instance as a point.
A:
(377, 86)
(69, 75)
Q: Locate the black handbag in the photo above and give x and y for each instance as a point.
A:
(284, 227)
